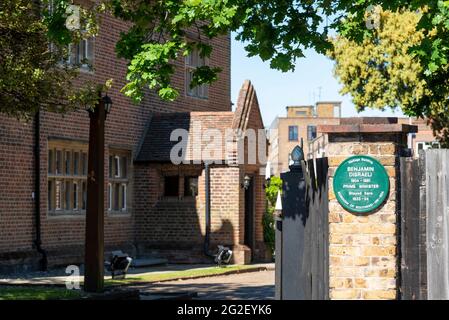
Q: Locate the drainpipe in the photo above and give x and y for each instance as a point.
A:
(37, 192)
(207, 236)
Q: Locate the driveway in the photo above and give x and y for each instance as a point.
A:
(246, 286)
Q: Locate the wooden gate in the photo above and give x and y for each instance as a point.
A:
(302, 258)
(425, 226)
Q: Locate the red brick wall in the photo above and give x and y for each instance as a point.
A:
(248, 108)
(124, 129)
(16, 185)
(164, 225)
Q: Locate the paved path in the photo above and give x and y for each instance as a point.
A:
(247, 286)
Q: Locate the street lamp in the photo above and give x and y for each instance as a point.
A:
(94, 243)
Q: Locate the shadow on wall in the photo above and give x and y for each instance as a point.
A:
(174, 232)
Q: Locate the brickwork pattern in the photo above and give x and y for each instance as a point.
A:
(362, 248)
(124, 128)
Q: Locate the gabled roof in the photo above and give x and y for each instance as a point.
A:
(156, 145)
(247, 109)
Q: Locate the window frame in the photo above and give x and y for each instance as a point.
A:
(295, 133)
(117, 179)
(199, 92)
(187, 184)
(61, 182)
(86, 45)
(312, 133)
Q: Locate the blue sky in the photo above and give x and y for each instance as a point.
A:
(276, 90)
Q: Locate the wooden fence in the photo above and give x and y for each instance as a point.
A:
(424, 227)
(302, 249)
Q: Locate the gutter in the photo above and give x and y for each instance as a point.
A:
(37, 192)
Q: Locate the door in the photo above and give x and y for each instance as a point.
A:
(249, 216)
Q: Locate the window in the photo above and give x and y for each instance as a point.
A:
(193, 61)
(82, 53)
(337, 111)
(118, 187)
(58, 162)
(293, 133)
(190, 186)
(68, 165)
(109, 196)
(427, 145)
(301, 113)
(65, 181)
(84, 193)
(171, 186)
(76, 161)
(311, 132)
(84, 164)
(123, 195)
(75, 197)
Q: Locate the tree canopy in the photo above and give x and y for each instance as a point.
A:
(277, 31)
(379, 72)
(383, 70)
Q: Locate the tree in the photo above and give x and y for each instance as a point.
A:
(277, 31)
(33, 72)
(162, 31)
(381, 71)
(271, 193)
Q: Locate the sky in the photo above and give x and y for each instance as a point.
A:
(277, 90)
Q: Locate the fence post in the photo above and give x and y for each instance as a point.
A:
(364, 248)
(292, 283)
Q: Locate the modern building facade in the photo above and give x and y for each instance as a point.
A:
(300, 126)
(152, 207)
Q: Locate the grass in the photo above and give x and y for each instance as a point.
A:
(185, 274)
(55, 293)
(37, 293)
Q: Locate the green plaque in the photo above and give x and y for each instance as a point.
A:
(361, 184)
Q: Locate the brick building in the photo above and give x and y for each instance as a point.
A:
(142, 215)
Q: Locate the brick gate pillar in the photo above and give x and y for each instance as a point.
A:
(363, 248)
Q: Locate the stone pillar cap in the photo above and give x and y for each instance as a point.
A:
(368, 125)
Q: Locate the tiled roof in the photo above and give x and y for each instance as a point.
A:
(156, 145)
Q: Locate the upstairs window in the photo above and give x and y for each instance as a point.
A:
(337, 112)
(293, 133)
(82, 53)
(193, 61)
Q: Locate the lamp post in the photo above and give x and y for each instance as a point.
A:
(94, 246)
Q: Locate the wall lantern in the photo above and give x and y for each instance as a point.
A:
(193, 187)
(107, 103)
(246, 182)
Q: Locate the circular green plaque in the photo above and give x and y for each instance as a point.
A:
(361, 184)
